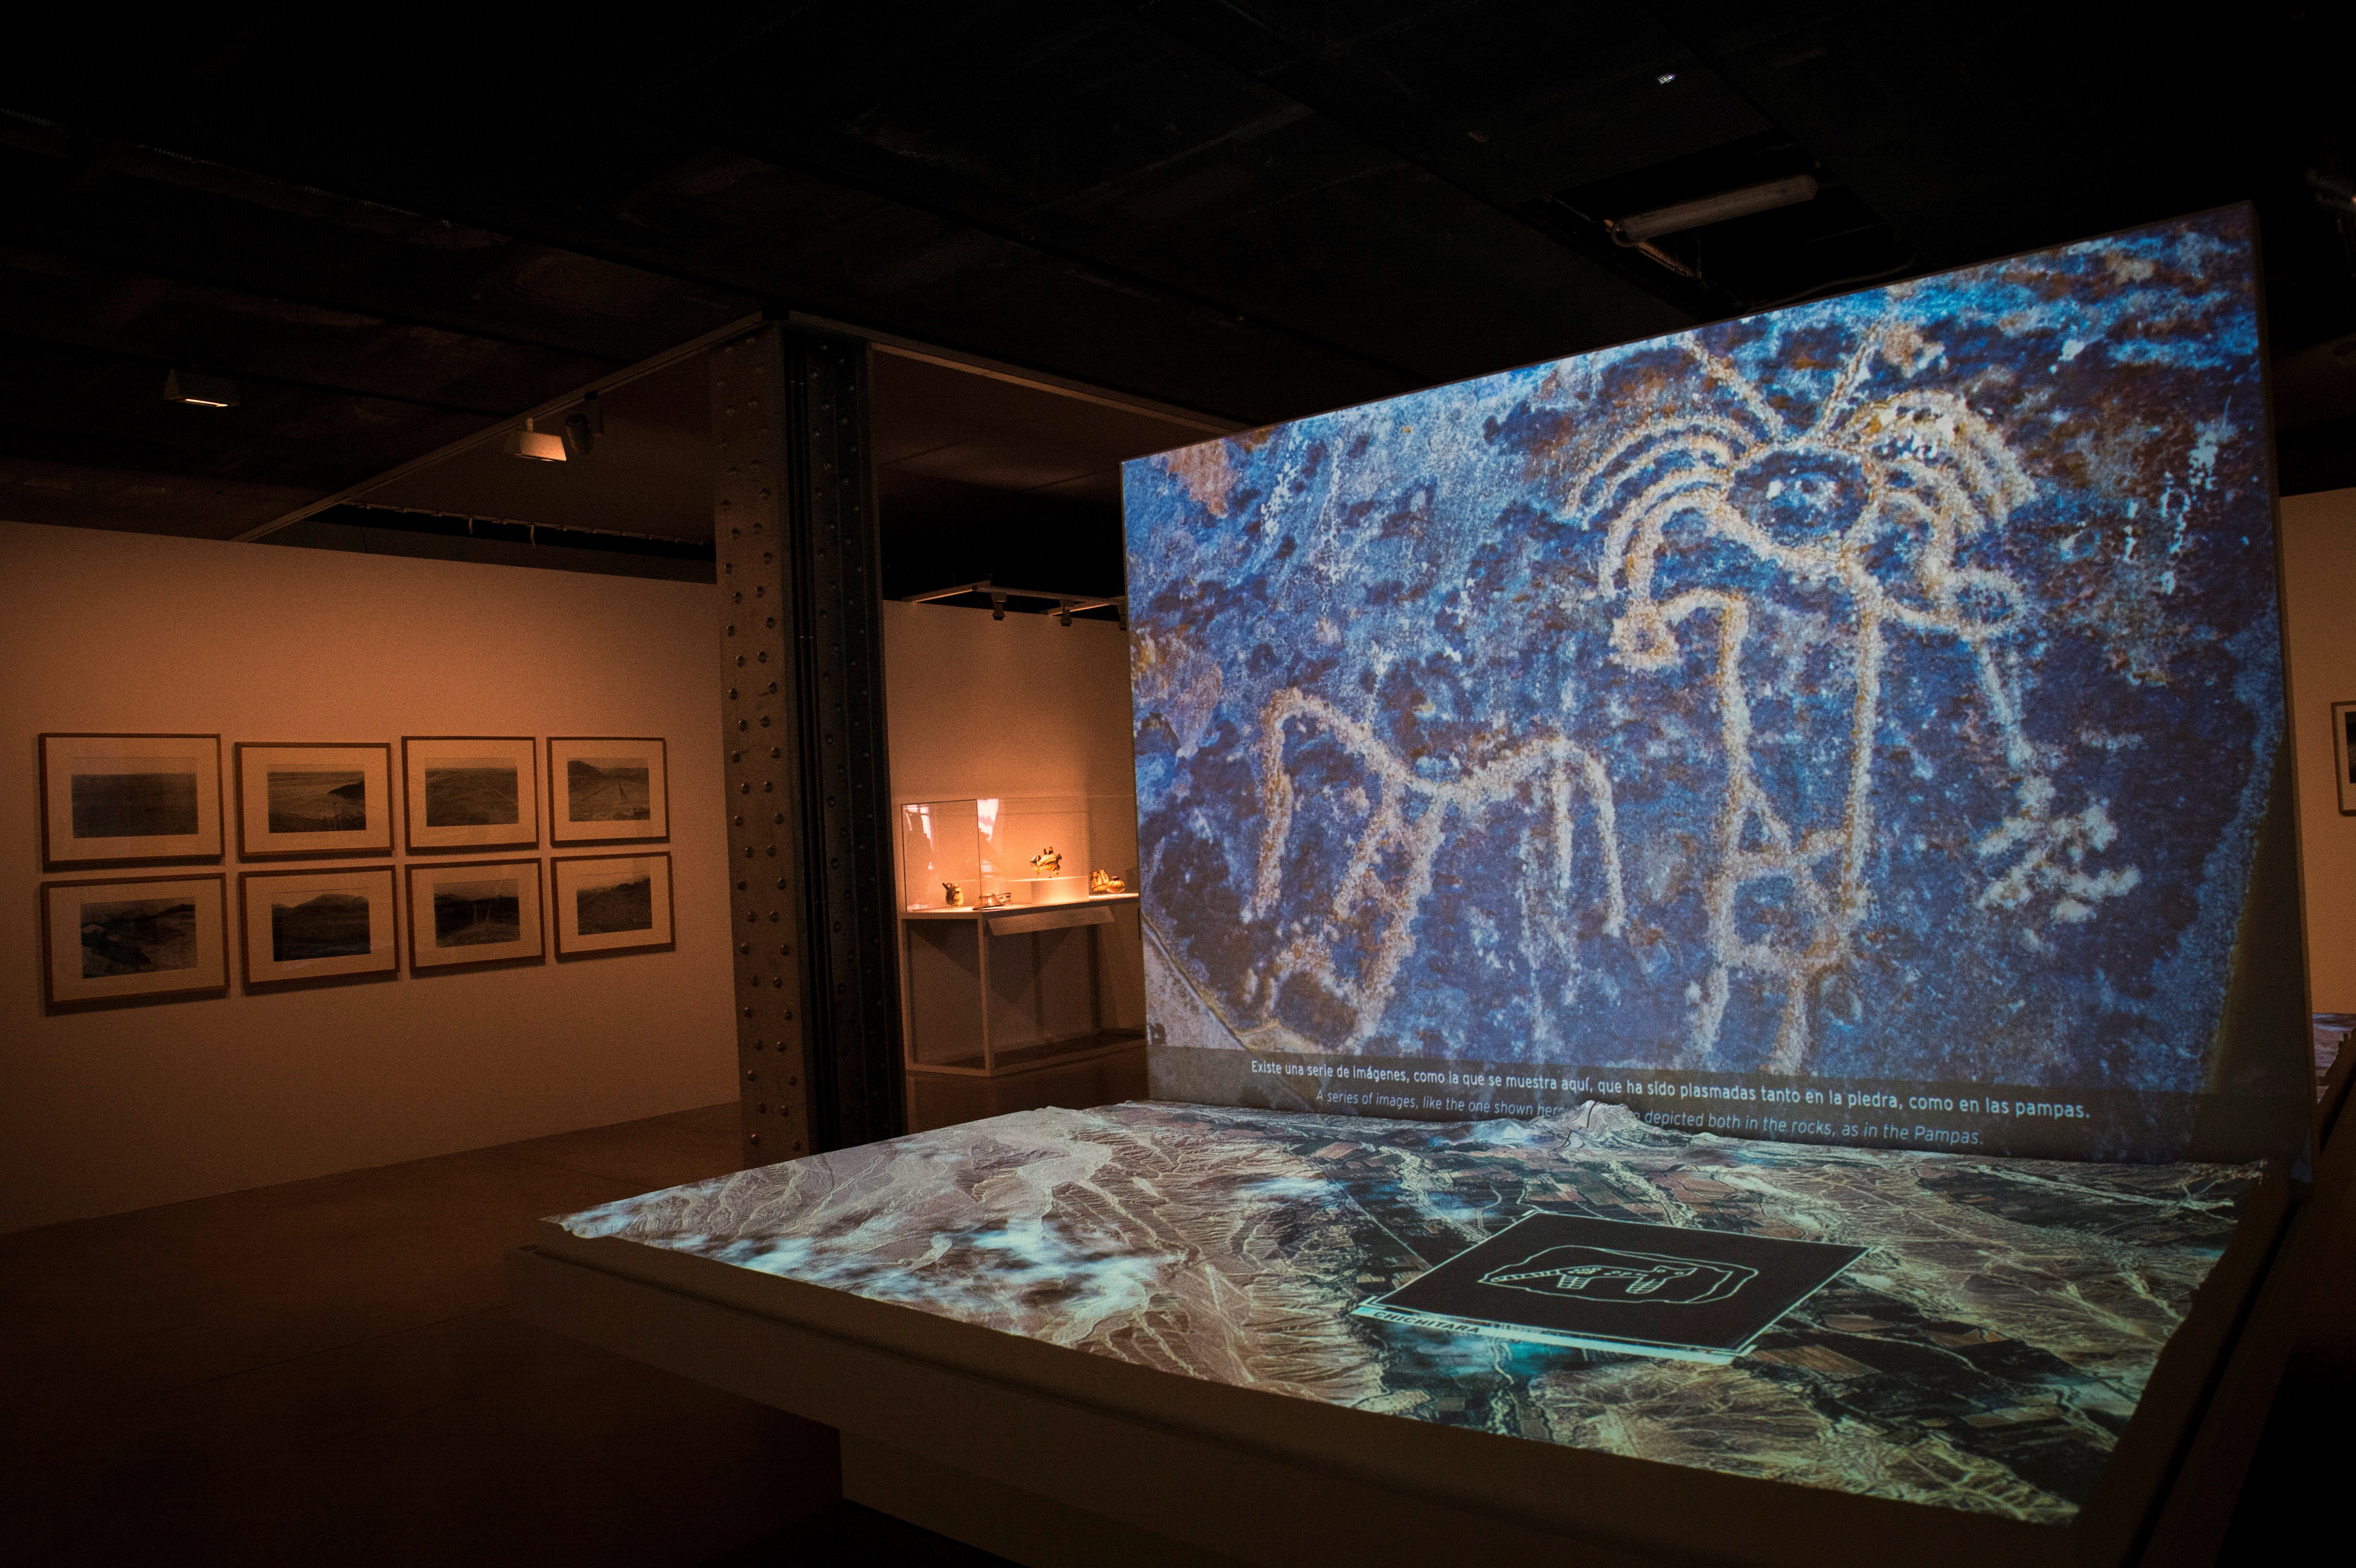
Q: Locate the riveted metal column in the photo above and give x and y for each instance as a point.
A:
(808, 777)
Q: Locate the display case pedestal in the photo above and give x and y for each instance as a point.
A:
(1021, 1005)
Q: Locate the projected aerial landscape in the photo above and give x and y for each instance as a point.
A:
(1885, 688)
(1984, 1354)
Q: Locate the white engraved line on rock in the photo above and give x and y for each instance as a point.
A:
(1552, 759)
(1934, 474)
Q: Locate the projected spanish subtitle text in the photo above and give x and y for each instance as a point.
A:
(1922, 1116)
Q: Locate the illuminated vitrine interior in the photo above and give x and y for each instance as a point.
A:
(1019, 926)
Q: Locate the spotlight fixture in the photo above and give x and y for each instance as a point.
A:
(536, 444)
(581, 429)
(1640, 226)
(199, 392)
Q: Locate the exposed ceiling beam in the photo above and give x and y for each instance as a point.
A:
(86, 202)
(1155, 17)
(647, 367)
(146, 265)
(147, 137)
(1037, 380)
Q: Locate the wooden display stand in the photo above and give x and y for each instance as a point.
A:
(1010, 1008)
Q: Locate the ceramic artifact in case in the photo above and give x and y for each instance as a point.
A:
(1009, 851)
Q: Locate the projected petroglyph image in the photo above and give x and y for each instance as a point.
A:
(1595, 1274)
(1886, 686)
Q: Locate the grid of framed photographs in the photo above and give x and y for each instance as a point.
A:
(137, 805)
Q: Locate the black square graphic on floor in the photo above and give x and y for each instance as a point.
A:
(1610, 1284)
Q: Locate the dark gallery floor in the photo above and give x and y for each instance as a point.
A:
(325, 1372)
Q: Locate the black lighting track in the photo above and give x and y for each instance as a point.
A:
(510, 530)
(251, 377)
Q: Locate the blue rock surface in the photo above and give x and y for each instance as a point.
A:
(1886, 688)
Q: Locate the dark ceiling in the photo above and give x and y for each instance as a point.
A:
(392, 237)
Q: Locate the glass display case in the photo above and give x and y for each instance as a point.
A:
(1016, 851)
(1020, 951)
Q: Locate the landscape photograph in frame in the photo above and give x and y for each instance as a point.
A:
(127, 800)
(464, 912)
(145, 939)
(611, 903)
(318, 924)
(470, 792)
(606, 790)
(301, 801)
(1849, 723)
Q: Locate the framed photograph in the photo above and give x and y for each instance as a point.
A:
(312, 925)
(145, 939)
(128, 800)
(607, 904)
(2343, 753)
(298, 802)
(602, 790)
(471, 792)
(473, 911)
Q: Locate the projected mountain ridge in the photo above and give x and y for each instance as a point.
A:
(1886, 687)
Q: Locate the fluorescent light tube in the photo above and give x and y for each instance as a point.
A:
(1642, 226)
(202, 391)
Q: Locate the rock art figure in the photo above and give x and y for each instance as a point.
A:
(1564, 774)
(1873, 502)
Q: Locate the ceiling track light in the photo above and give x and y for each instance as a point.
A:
(199, 392)
(1067, 605)
(537, 444)
(1637, 228)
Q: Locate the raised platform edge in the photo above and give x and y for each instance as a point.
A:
(830, 1357)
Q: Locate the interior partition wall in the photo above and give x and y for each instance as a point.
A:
(808, 775)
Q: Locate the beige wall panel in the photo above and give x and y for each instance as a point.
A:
(120, 1109)
(1018, 707)
(2319, 582)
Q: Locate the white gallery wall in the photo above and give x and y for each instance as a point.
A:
(1017, 707)
(124, 1107)
(2319, 576)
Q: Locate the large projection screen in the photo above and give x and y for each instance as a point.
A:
(1860, 723)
